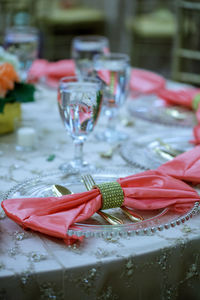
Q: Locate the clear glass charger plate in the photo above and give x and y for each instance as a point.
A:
(153, 109)
(95, 226)
(149, 152)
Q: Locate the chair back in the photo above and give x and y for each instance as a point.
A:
(186, 53)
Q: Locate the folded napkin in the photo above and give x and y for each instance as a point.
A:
(185, 166)
(184, 97)
(188, 97)
(148, 190)
(146, 82)
(51, 71)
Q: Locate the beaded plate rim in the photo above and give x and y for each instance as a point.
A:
(147, 158)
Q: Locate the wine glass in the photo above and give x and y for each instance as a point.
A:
(83, 50)
(79, 103)
(22, 41)
(114, 71)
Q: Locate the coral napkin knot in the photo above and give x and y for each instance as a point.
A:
(112, 194)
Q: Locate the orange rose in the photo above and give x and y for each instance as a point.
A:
(8, 77)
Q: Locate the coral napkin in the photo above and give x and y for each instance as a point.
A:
(188, 97)
(184, 97)
(147, 191)
(141, 81)
(51, 71)
(146, 82)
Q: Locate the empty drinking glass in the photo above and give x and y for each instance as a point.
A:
(79, 104)
(114, 71)
(22, 41)
(83, 50)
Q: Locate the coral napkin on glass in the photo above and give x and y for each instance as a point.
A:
(148, 190)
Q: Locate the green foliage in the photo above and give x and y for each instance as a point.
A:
(51, 157)
(23, 92)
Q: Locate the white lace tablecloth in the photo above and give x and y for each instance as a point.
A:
(164, 265)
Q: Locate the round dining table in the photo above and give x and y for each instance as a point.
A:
(162, 262)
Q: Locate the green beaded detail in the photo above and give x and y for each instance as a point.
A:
(112, 194)
(196, 101)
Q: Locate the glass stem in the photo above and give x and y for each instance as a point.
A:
(78, 152)
(111, 124)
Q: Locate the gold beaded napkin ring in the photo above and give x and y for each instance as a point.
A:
(112, 194)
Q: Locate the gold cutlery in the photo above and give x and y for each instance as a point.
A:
(174, 113)
(109, 153)
(168, 148)
(60, 190)
(163, 154)
(89, 183)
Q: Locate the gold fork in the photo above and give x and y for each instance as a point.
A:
(89, 182)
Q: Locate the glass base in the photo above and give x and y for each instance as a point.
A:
(24, 148)
(76, 167)
(111, 136)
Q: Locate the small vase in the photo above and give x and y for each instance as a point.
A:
(10, 117)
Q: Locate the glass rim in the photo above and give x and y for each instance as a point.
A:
(82, 38)
(112, 56)
(21, 27)
(90, 79)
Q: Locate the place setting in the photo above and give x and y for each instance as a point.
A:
(155, 111)
(169, 104)
(103, 223)
(150, 151)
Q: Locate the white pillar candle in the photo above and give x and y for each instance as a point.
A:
(26, 137)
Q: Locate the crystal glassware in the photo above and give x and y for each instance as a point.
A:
(83, 50)
(114, 70)
(22, 41)
(79, 103)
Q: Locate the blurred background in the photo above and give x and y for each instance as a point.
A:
(159, 35)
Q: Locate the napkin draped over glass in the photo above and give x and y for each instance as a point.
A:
(149, 190)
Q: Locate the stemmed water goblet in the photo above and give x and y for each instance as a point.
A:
(83, 50)
(114, 71)
(22, 41)
(79, 103)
